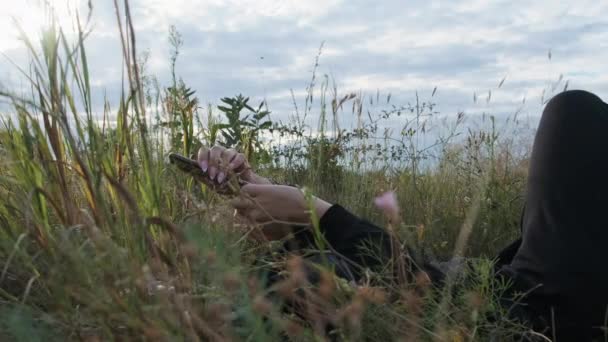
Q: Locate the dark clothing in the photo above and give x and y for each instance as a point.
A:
(561, 256)
(564, 228)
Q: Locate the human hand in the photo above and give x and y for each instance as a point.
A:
(266, 205)
(221, 164)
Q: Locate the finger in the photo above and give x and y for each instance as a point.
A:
(242, 204)
(253, 190)
(259, 216)
(214, 160)
(238, 163)
(226, 156)
(203, 158)
(242, 216)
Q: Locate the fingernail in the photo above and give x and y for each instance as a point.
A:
(204, 165)
(212, 172)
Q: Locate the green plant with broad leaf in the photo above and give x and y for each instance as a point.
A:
(243, 129)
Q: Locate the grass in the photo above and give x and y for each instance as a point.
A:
(101, 239)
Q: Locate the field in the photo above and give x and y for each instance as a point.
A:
(102, 239)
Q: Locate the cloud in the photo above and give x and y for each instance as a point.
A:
(229, 15)
(266, 48)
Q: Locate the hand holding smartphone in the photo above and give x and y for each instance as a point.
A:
(191, 167)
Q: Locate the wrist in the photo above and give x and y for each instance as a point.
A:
(321, 207)
(307, 211)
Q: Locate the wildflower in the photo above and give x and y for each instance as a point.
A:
(217, 313)
(423, 280)
(211, 257)
(293, 328)
(327, 285)
(190, 250)
(387, 202)
(231, 282)
(261, 305)
(475, 300)
(373, 295)
(252, 284)
(353, 312)
(295, 267)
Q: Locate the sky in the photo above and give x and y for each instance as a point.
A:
(265, 49)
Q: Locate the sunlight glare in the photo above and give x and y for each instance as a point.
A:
(33, 16)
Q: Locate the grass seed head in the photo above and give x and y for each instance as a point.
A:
(231, 282)
(327, 285)
(262, 305)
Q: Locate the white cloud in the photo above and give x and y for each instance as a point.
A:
(228, 15)
(462, 47)
(399, 40)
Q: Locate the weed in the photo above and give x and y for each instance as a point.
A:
(102, 240)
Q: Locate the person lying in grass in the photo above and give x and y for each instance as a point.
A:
(559, 261)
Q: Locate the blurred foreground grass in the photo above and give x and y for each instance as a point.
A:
(101, 239)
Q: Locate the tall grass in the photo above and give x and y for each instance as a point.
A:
(102, 240)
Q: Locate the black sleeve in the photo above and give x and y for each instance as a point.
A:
(366, 244)
(358, 240)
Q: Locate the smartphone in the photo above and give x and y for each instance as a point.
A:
(187, 165)
(192, 168)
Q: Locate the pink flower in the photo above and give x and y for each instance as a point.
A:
(387, 202)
